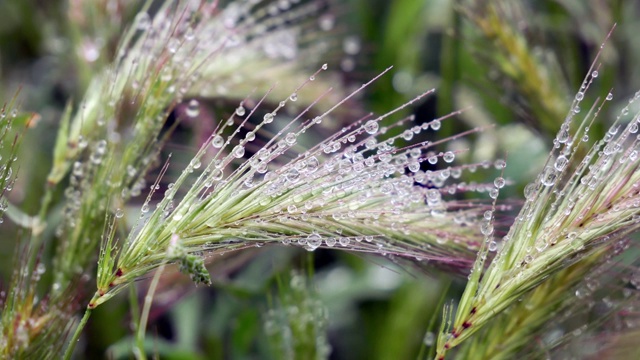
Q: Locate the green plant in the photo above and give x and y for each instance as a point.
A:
(280, 159)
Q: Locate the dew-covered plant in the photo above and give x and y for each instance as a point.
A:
(581, 206)
(290, 162)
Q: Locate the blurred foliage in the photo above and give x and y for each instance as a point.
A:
(517, 64)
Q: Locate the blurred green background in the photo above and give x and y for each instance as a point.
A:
(515, 65)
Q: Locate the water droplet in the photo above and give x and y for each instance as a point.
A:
(313, 241)
(217, 141)
(326, 22)
(172, 45)
(435, 125)
(486, 228)
(561, 163)
(429, 338)
(268, 118)
(594, 74)
(449, 156)
(189, 34)
(119, 213)
(407, 135)
(493, 246)
(290, 138)
(371, 127)
(579, 96)
(548, 176)
(609, 97)
(82, 142)
(143, 21)
(193, 109)
(351, 45)
(238, 151)
(293, 175)
(500, 164)
(40, 268)
(145, 208)
(240, 110)
(77, 169)
(195, 163)
(216, 174)
(493, 193)
(499, 182)
(293, 97)
(324, 66)
(101, 147)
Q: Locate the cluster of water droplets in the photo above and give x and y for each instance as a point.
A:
(356, 189)
(8, 144)
(584, 190)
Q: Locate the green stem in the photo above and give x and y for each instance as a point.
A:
(76, 335)
(144, 317)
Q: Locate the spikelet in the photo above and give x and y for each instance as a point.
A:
(356, 190)
(168, 56)
(582, 202)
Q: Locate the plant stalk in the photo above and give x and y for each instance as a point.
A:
(76, 334)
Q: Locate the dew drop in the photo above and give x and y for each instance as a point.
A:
(217, 141)
(429, 339)
(238, 151)
(40, 268)
(268, 118)
(609, 97)
(143, 21)
(493, 193)
(290, 138)
(119, 213)
(193, 109)
(561, 163)
(436, 124)
(493, 246)
(195, 163)
(407, 135)
(293, 97)
(313, 241)
(449, 156)
(499, 182)
(172, 45)
(240, 110)
(371, 127)
(548, 176)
